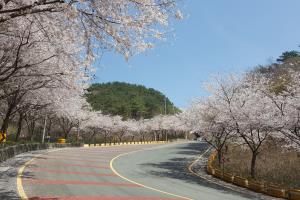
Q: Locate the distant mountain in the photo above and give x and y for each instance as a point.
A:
(128, 100)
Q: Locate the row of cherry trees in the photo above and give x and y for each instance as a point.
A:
(249, 110)
(47, 48)
(114, 129)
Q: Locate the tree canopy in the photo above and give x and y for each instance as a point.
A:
(279, 72)
(287, 55)
(129, 100)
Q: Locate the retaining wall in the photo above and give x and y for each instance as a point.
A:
(9, 152)
(269, 189)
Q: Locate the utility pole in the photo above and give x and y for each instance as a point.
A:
(166, 114)
(165, 105)
(78, 131)
(166, 136)
(44, 131)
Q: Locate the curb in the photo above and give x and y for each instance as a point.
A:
(256, 186)
(123, 143)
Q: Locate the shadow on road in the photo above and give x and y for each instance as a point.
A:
(177, 168)
(11, 195)
(9, 173)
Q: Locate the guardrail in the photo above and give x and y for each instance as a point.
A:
(266, 188)
(11, 151)
(123, 143)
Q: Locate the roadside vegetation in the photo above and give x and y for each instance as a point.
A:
(93, 127)
(274, 165)
(253, 121)
(47, 52)
(129, 100)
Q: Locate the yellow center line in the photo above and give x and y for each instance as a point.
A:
(139, 184)
(20, 188)
(23, 195)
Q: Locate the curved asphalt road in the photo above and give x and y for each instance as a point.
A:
(147, 172)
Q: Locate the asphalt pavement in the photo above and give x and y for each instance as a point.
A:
(128, 172)
(166, 168)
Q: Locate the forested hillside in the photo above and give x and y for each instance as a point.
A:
(128, 100)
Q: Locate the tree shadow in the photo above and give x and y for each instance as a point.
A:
(177, 168)
(12, 172)
(9, 195)
(9, 175)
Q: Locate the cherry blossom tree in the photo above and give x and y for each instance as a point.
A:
(47, 47)
(33, 59)
(126, 26)
(286, 103)
(239, 110)
(210, 122)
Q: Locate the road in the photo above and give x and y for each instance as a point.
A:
(133, 172)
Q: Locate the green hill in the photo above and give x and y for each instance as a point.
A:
(128, 100)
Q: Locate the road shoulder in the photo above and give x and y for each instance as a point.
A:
(9, 172)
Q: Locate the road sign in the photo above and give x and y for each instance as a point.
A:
(2, 137)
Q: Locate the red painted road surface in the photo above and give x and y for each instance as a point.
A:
(82, 174)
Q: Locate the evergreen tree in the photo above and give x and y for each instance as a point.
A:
(128, 100)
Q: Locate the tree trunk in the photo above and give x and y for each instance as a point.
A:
(219, 151)
(91, 138)
(66, 134)
(19, 127)
(253, 161)
(4, 126)
(31, 130)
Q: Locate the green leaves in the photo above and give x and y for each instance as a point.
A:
(287, 55)
(128, 100)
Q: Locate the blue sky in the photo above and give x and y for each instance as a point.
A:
(216, 36)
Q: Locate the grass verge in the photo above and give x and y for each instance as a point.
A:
(274, 164)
